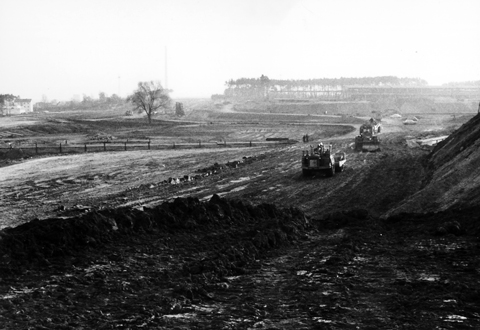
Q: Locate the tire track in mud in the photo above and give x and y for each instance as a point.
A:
(284, 183)
(348, 279)
(332, 188)
(277, 292)
(319, 283)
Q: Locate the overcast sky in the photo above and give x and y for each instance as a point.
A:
(60, 48)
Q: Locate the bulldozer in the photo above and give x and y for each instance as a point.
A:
(368, 139)
(322, 160)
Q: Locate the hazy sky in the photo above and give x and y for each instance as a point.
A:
(60, 48)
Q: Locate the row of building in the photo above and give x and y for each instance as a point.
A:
(350, 92)
(16, 106)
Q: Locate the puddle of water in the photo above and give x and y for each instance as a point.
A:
(238, 188)
(429, 277)
(359, 259)
(242, 179)
(320, 320)
(180, 316)
(232, 278)
(455, 318)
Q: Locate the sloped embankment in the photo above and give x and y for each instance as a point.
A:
(454, 173)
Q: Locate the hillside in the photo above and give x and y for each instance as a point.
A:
(453, 179)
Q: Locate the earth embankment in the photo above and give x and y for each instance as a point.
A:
(453, 173)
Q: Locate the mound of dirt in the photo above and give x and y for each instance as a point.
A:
(230, 233)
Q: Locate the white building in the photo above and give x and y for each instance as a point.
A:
(16, 107)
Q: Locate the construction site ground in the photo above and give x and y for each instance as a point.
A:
(306, 253)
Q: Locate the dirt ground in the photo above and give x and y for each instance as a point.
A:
(235, 238)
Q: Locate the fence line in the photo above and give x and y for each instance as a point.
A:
(129, 146)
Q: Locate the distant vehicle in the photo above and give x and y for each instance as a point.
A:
(410, 122)
(368, 140)
(129, 113)
(322, 160)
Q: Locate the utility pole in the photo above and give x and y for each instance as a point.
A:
(119, 90)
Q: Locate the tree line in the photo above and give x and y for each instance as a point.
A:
(86, 102)
(369, 81)
(264, 87)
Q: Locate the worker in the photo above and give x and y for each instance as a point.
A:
(319, 148)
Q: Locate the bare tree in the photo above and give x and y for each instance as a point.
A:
(149, 97)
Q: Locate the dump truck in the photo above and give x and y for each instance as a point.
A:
(322, 160)
(368, 139)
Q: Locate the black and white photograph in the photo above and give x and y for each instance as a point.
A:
(239, 164)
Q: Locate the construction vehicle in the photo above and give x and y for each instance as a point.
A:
(368, 140)
(322, 160)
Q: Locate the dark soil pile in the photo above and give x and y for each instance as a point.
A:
(230, 233)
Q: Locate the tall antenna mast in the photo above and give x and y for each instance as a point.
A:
(166, 76)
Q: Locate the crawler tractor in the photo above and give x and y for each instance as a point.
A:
(322, 160)
(368, 140)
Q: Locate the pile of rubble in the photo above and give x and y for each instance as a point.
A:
(214, 169)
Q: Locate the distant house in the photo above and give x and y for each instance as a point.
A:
(16, 106)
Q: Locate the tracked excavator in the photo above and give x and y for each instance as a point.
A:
(368, 139)
(322, 160)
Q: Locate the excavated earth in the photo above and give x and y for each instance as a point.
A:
(239, 239)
